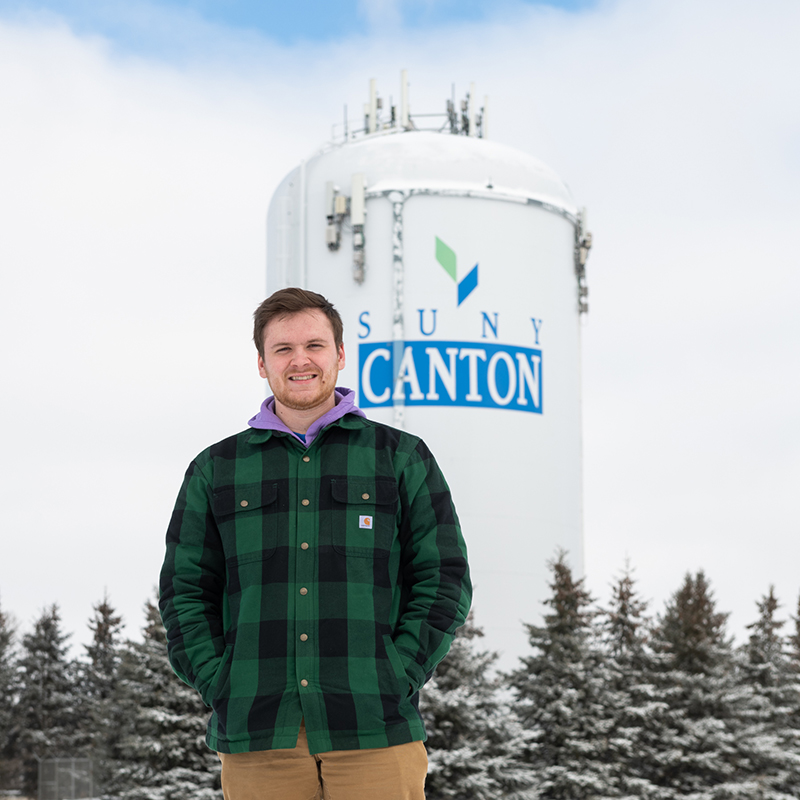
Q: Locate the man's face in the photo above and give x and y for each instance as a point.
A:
(301, 361)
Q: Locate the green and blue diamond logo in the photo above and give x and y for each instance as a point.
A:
(447, 258)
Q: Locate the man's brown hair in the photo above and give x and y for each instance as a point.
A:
(286, 302)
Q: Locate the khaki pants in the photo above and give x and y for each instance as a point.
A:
(381, 773)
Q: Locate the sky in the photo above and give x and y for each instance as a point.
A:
(140, 144)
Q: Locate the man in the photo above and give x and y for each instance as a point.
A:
(315, 575)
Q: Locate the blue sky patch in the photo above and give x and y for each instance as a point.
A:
(126, 22)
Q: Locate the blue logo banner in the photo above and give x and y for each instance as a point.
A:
(434, 373)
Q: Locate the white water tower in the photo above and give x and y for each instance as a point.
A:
(457, 265)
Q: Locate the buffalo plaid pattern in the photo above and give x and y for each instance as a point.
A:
(280, 605)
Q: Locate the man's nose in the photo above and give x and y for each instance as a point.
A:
(299, 358)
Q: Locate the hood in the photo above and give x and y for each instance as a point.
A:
(268, 420)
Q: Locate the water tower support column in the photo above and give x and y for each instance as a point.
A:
(397, 200)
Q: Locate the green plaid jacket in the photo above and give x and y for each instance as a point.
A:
(323, 583)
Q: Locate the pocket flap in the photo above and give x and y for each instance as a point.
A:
(247, 497)
(372, 491)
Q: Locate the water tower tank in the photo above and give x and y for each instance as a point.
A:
(457, 264)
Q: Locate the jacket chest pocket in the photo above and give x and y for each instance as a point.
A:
(247, 519)
(362, 517)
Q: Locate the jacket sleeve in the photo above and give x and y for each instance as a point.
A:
(191, 587)
(435, 575)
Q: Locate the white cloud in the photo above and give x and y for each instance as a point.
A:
(133, 201)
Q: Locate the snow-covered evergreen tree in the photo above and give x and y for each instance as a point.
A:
(102, 652)
(640, 730)
(98, 680)
(696, 679)
(158, 747)
(794, 639)
(474, 741)
(625, 621)
(767, 707)
(562, 696)
(9, 765)
(47, 701)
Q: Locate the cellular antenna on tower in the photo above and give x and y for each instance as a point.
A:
(471, 122)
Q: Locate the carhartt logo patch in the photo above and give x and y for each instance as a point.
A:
(365, 522)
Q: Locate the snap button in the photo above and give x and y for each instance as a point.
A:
(304, 682)
(304, 590)
(244, 504)
(304, 546)
(365, 496)
(303, 637)
(305, 502)
(306, 459)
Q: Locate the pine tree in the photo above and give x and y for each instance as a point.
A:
(626, 623)
(7, 632)
(47, 696)
(474, 741)
(640, 721)
(562, 697)
(9, 765)
(98, 680)
(158, 750)
(103, 651)
(794, 639)
(767, 705)
(695, 679)
(692, 631)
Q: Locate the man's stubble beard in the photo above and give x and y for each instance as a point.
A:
(304, 404)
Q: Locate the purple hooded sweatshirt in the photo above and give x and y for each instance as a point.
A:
(268, 420)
